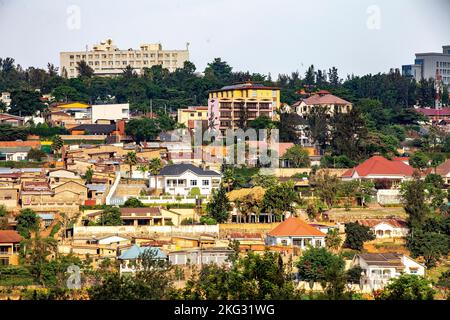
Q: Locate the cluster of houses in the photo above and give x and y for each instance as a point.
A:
(98, 144)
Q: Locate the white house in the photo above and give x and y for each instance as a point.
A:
(129, 259)
(112, 112)
(113, 239)
(199, 256)
(379, 268)
(295, 232)
(386, 228)
(180, 179)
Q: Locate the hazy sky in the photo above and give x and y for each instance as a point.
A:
(357, 36)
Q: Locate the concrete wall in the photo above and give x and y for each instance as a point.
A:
(166, 230)
(388, 196)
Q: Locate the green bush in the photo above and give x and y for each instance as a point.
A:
(194, 192)
(208, 220)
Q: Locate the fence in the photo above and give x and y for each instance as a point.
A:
(160, 199)
(149, 230)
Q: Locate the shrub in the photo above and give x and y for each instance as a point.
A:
(208, 220)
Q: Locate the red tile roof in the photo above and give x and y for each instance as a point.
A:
(140, 211)
(396, 223)
(295, 227)
(444, 168)
(434, 112)
(10, 236)
(326, 99)
(13, 144)
(380, 166)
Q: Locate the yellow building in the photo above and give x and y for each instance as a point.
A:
(192, 115)
(229, 104)
(9, 247)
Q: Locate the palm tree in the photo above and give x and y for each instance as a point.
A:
(131, 160)
(228, 178)
(57, 144)
(143, 168)
(155, 165)
(88, 175)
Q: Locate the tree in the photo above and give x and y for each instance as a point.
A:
(110, 217)
(444, 282)
(229, 178)
(154, 167)
(88, 175)
(356, 235)
(315, 262)
(57, 144)
(280, 199)
(265, 181)
(36, 154)
(84, 70)
(36, 251)
(310, 76)
(144, 129)
(252, 277)
(333, 77)
(414, 201)
(262, 122)
(347, 189)
(289, 123)
(131, 160)
(218, 71)
(354, 274)
(3, 217)
(419, 160)
(142, 168)
(431, 245)
(348, 134)
(153, 280)
(333, 240)
(317, 126)
(25, 103)
(297, 157)
(10, 133)
(133, 203)
(219, 206)
(407, 287)
(27, 222)
(326, 186)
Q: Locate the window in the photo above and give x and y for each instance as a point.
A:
(193, 182)
(4, 261)
(205, 182)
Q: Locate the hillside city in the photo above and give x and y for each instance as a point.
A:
(130, 174)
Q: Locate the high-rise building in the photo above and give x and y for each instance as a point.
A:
(428, 65)
(107, 60)
(229, 105)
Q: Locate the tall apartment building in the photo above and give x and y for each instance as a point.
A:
(228, 104)
(427, 65)
(107, 60)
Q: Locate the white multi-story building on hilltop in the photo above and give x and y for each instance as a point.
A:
(107, 60)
